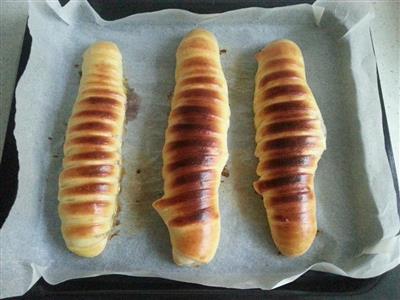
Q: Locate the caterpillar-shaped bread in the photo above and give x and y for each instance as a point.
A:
(195, 150)
(290, 141)
(89, 182)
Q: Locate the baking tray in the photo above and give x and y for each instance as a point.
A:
(118, 286)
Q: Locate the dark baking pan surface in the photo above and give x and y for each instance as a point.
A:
(120, 287)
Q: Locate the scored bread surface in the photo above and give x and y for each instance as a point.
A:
(290, 141)
(195, 150)
(89, 182)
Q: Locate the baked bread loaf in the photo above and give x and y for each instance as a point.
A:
(290, 141)
(89, 182)
(195, 150)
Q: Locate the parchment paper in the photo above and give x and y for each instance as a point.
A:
(357, 212)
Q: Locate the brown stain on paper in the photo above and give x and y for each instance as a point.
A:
(132, 104)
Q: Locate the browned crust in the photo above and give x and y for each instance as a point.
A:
(89, 182)
(290, 142)
(195, 151)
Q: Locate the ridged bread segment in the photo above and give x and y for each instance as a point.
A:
(89, 183)
(290, 141)
(195, 150)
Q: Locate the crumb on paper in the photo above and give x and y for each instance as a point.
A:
(225, 172)
(138, 171)
(76, 65)
(113, 235)
(50, 138)
(223, 51)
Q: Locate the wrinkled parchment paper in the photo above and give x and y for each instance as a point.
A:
(357, 212)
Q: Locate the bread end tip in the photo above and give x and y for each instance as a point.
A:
(184, 261)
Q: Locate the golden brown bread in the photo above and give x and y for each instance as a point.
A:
(195, 150)
(290, 141)
(89, 182)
